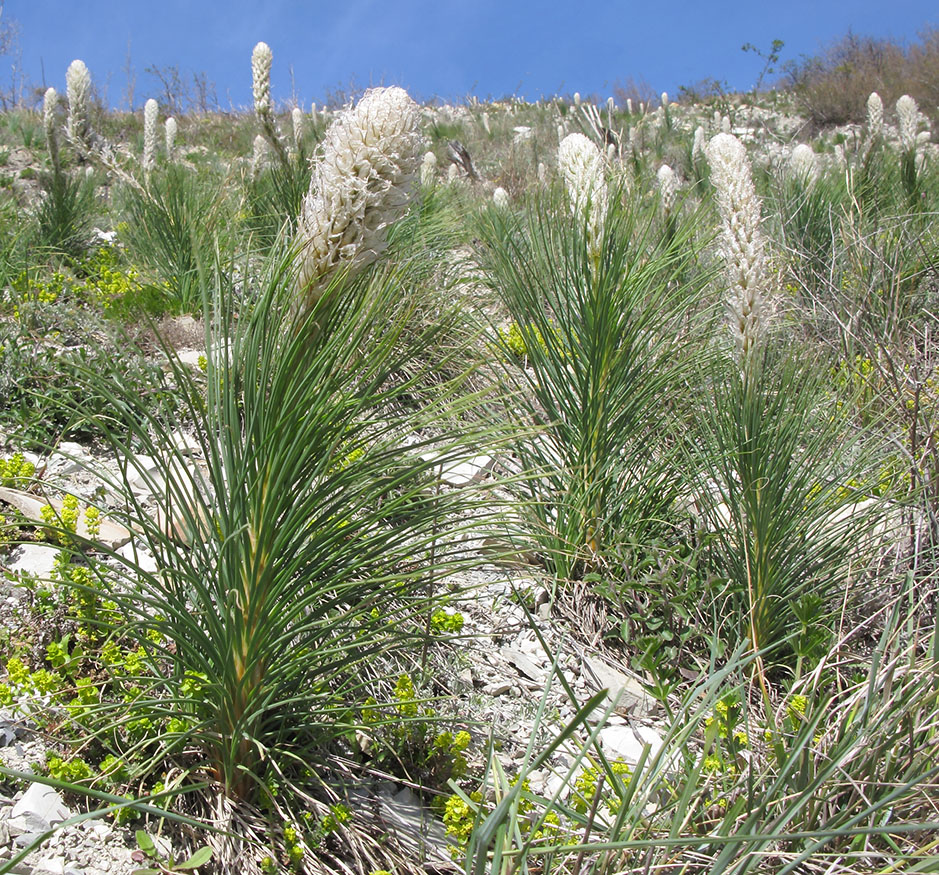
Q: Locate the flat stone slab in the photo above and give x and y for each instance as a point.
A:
(524, 664)
(34, 559)
(42, 802)
(110, 534)
(627, 692)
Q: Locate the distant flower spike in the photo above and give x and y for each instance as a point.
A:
(668, 187)
(500, 197)
(170, 129)
(151, 111)
(296, 118)
(697, 144)
(78, 91)
(49, 103)
(428, 169)
(258, 155)
(875, 115)
(908, 122)
(803, 164)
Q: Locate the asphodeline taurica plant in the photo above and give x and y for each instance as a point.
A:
(362, 181)
(261, 60)
(907, 122)
(668, 187)
(296, 121)
(258, 155)
(170, 128)
(741, 242)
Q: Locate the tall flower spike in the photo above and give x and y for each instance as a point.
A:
(697, 144)
(428, 169)
(151, 110)
(49, 102)
(261, 60)
(668, 187)
(908, 121)
(361, 182)
(78, 91)
(296, 119)
(581, 167)
(875, 116)
(741, 243)
(803, 165)
(170, 128)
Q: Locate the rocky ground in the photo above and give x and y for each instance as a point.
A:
(496, 675)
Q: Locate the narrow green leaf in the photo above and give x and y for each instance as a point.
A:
(199, 858)
(145, 843)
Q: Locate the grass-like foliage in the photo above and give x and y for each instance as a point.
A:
(172, 226)
(603, 340)
(301, 550)
(784, 490)
(809, 217)
(275, 196)
(65, 214)
(842, 779)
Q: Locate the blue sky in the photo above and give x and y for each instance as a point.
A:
(444, 48)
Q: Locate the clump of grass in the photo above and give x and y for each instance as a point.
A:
(782, 468)
(599, 310)
(302, 551)
(172, 226)
(835, 772)
(65, 215)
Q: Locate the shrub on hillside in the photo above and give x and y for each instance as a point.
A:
(833, 86)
